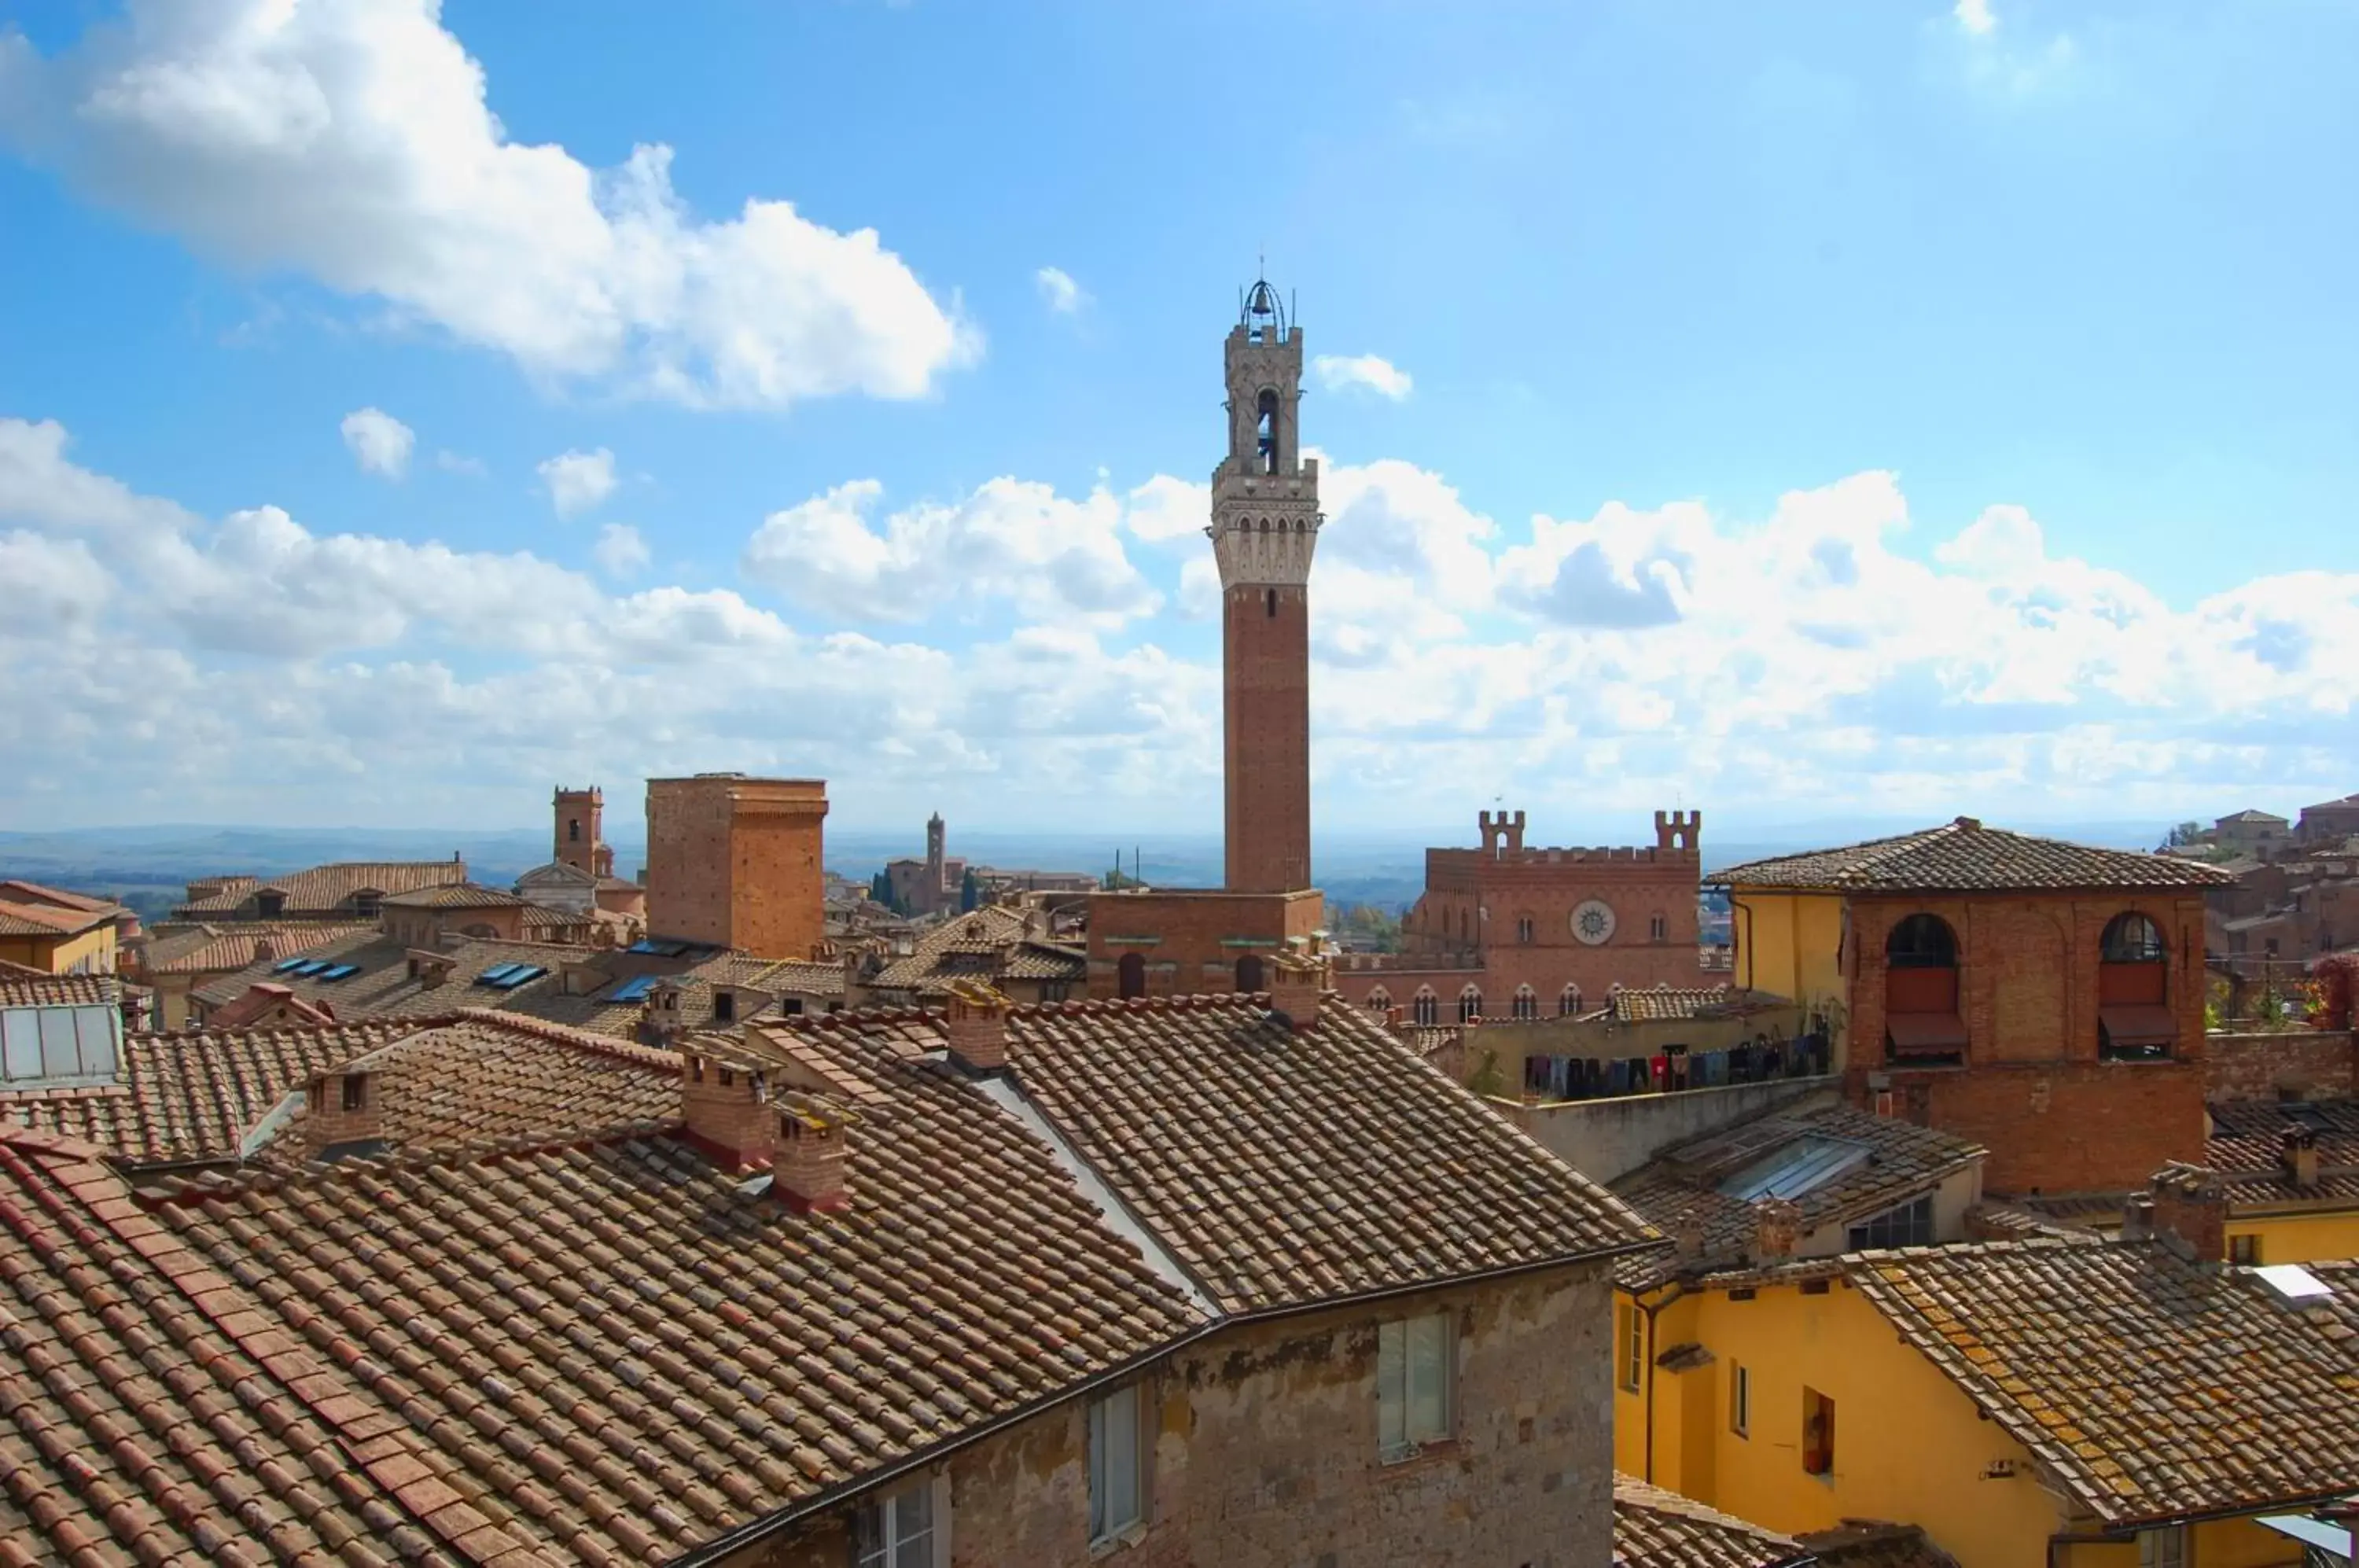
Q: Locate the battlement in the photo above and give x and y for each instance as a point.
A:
(1678, 830)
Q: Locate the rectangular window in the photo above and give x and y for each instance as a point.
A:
(2163, 1548)
(898, 1531)
(1414, 1357)
(1117, 1489)
(1818, 1434)
(2245, 1249)
(1633, 1359)
(1740, 1399)
(1909, 1224)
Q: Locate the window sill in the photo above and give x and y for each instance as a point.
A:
(1122, 1539)
(1424, 1456)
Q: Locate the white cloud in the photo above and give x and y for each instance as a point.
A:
(1164, 508)
(455, 463)
(1818, 658)
(2009, 71)
(353, 142)
(620, 552)
(379, 442)
(1364, 372)
(578, 481)
(1975, 17)
(1059, 291)
(1011, 539)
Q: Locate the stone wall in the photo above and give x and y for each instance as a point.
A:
(2313, 1065)
(737, 862)
(1265, 1451)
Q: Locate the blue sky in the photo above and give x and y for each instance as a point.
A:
(1796, 410)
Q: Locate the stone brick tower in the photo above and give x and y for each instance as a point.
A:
(937, 850)
(738, 862)
(1265, 527)
(581, 830)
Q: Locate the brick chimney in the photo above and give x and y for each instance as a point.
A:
(2298, 1153)
(1686, 1238)
(342, 1108)
(1777, 1229)
(1297, 984)
(725, 1111)
(2137, 1217)
(663, 1018)
(976, 1025)
(2191, 1212)
(428, 967)
(264, 950)
(808, 1172)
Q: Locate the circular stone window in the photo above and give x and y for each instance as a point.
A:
(1593, 922)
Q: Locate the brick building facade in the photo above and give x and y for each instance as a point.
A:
(1173, 943)
(737, 862)
(2044, 999)
(1512, 932)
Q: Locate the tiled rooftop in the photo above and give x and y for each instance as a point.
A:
(383, 988)
(1963, 856)
(215, 947)
(453, 896)
(1874, 1543)
(2146, 1386)
(22, 987)
(47, 920)
(1674, 1004)
(324, 890)
(1281, 1166)
(1683, 1183)
(993, 940)
(1656, 1529)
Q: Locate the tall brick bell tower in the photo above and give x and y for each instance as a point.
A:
(1265, 527)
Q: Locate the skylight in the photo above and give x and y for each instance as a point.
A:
(519, 974)
(338, 971)
(1799, 1166)
(286, 964)
(59, 1045)
(2292, 1282)
(498, 972)
(634, 990)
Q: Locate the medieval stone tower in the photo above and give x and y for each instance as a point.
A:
(581, 830)
(1265, 527)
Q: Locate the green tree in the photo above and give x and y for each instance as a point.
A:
(970, 892)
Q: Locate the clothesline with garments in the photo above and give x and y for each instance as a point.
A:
(1671, 1068)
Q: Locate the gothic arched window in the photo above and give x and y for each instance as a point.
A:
(1427, 1008)
(1568, 1002)
(1469, 1005)
(1527, 1004)
(1266, 434)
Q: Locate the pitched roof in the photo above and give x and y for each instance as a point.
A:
(2248, 1137)
(324, 890)
(1280, 1166)
(2250, 815)
(15, 890)
(267, 999)
(213, 947)
(1963, 856)
(25, 918)
(1671, 1004)
(118, 1335)
(992, 941)
(1683, 1186)
(1656, 1529)
(1875, 1543)
(192, 1097)
(2146, 1386)
(31, 988)
(455, 896)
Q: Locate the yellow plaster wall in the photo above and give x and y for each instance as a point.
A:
(59, 955)
(2302, 1239)
(1909, 1446)
(2218, 1543)
(1790, 944)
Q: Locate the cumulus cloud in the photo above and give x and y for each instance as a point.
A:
(1011, 539)
(354, 142)
(620, 552)
(1059, 291)
(378, 443)
(1164, 508)
(1363, 372)
(578, 481)
(1975, 17)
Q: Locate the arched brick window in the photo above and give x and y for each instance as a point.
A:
(1130, 976)
(1568, 1002)
(1249, 974)
(1525, 925)
(2134, 1022)
(1469, 1005)
(1427, 1008)
(1526, 1004)
(1922, 1020)
(1380, 1000)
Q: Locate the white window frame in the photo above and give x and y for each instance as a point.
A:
(2164, 1548)
(1416, 1384)
(886, 1536)
(1630, 1373)
(1119, 1413)
(1740, 1398)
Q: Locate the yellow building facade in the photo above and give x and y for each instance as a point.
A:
(54, 952)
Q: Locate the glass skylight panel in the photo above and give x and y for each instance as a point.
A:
(287, 965)
(634, 989)
(59, 1045)
(498, 972)
(1799, 1166)
(519, 974)
(339, 972)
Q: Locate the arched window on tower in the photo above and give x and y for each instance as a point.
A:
(573, 829)
(1266, 434)
(1427, 1008)
(1380, 1001)
(1527, 1004)
(2134, 1020)
(1130, 976)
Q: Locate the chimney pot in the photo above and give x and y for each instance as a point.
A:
(725, 1111)
(1777, 1229)
(341, 1107)
(977, 1027)
(2298, 1150)
(1298, 986)
(2191, 1212)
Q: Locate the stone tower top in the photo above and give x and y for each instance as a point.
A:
(1266, 513)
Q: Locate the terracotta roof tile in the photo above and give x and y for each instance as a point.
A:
(1875, 1543)
(1965, 856)
(1656, 1529)
(20, 919)
(326, 889)
(1672, 1003)
(215, 947)
(2146, 1386)
(34, 989)
(1682, 1185)
(455, 896)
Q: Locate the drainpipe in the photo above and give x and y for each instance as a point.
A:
(1744, 909)
(1650, 1309)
